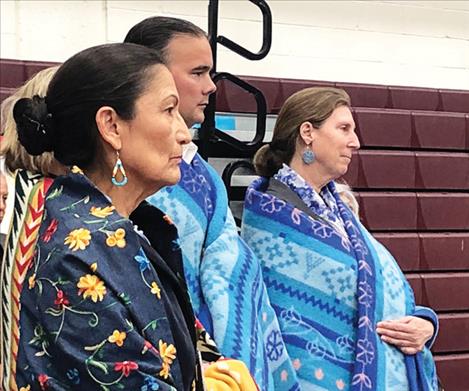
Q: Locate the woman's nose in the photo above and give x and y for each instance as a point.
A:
(184, 134)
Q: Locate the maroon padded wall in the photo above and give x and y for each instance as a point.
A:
(412, 182)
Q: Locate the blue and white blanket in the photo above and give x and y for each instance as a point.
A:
(330, 282)
(224, 277)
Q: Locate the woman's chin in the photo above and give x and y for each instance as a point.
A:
(170, 179)
(345, 168)
(174, 177)
(340, 173)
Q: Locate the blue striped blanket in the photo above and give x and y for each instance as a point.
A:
(329, 288)
(224, 277)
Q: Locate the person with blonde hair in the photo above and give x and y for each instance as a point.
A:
(13, 154)
(3, 194)
(3, 204)
(27, 173)
(346, 312)
(16, 157)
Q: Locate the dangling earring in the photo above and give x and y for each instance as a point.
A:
(118, 167)
(308, 156)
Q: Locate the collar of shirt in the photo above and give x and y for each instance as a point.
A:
(188, 152)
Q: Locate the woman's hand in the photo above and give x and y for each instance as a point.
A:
(409, 333)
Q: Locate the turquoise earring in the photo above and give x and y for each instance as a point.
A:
(308, 156)
(118, 167)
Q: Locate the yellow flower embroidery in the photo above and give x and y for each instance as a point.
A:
(27, 388)
(116, 239)
(117, 337)
(120, 233)
(164, 373)
(111, 240)
(94, 267)
(32, 281)
(155, 289)
(91, 285)
(78, 239)
(102, 212)
(167, 352)
(76, 170)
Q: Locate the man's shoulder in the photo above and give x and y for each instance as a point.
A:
(200, 166)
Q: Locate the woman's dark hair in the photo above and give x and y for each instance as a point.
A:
(63, 122)
(314, 105)
(156, 32)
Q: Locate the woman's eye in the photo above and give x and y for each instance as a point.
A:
(170, 109)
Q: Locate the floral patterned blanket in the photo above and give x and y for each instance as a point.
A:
(329, 288)
(98, 304)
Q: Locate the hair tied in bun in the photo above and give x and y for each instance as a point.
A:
(276, 145)
(34, 125)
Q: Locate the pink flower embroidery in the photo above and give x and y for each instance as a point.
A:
(284, 375)
(61, 299)
(125, 367)
(43, 380)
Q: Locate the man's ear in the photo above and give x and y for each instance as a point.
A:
(306, 132)
(109, 124)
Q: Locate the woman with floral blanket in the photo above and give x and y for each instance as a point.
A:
(346, 311)
(103, 304)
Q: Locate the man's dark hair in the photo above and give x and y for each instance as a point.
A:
(156, 32)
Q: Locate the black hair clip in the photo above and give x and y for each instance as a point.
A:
(40, 127)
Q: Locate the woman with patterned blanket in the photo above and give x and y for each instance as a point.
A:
(346, 312)
(102, 304)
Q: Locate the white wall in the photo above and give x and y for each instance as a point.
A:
(418, 43)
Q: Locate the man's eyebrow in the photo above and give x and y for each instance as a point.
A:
(202, 68)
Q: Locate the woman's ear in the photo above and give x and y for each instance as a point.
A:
(109, 124)
(306, 132)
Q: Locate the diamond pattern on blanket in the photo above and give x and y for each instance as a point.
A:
(281, 254)
(340, 283)
(393, 282)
